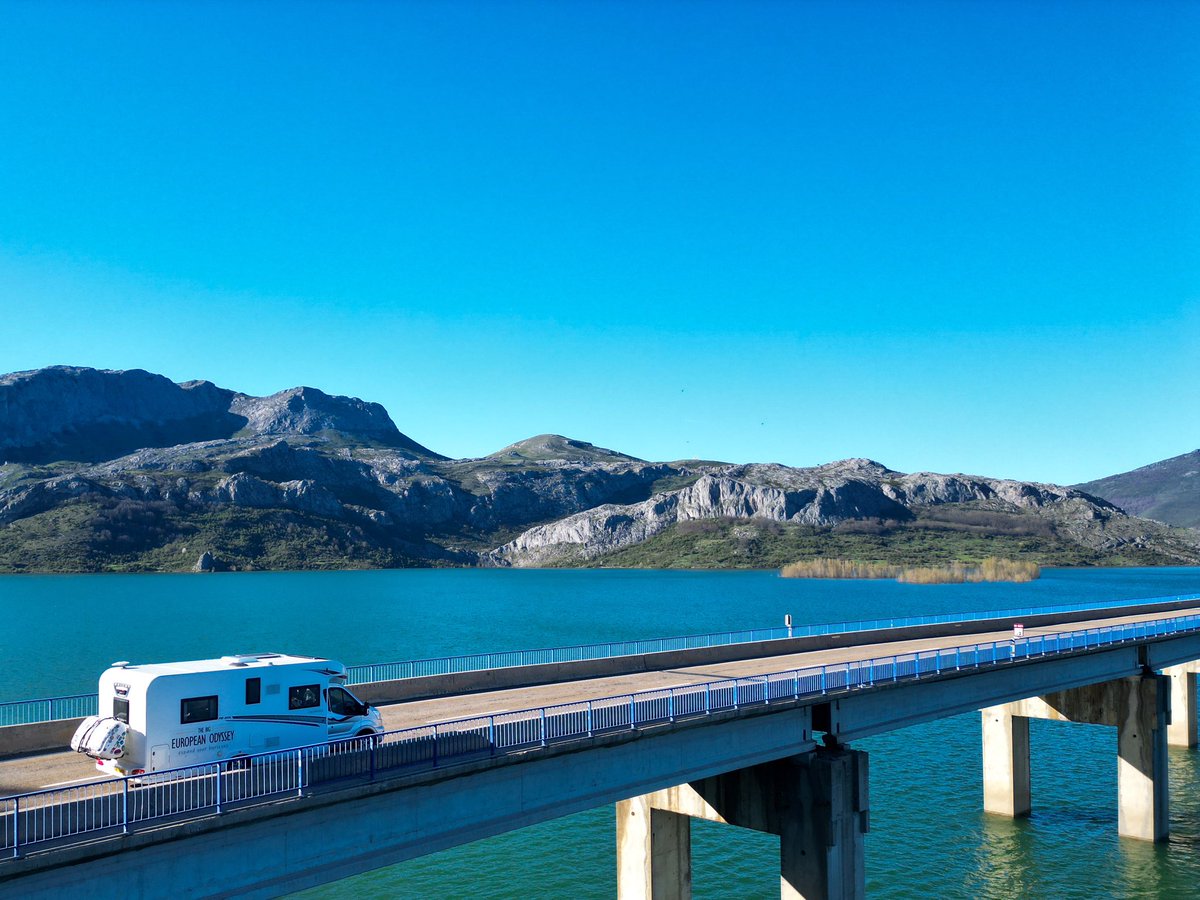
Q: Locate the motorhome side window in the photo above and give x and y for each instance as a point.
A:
(197, 709)
(341, 703)
(305, 696)
(253, 690)
(121, 709)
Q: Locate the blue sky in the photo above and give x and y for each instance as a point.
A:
(948, 236)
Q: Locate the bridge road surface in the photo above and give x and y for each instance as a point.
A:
(65, 768)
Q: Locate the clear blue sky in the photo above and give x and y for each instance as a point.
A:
(949, 236)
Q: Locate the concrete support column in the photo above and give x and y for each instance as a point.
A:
(1006, 774)
(817, 803)
(822, 850)
(1183, 731)
(1143, 797)
(654, 852)
(1139, 709)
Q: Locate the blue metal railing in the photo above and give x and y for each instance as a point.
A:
(57, 817)
(26, 712)
(451, 664)
(22, 712)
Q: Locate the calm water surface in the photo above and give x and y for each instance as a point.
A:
(929, 837)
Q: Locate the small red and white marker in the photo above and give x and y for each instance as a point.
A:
(1018, 630)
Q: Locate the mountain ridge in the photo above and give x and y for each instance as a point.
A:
(1167, 491)
(90, 415)
(304, 479)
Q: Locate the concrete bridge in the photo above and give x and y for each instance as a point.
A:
(755, 735)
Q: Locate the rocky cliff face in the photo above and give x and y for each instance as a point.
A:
(89, 415)
(305, 410)
(820, 496)
(158, 467)
(66, 412)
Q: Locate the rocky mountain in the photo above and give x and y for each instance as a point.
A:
(67, 412)
(89, 415)
(832, 495)
(305, 410)
(129, 471)
(1168, 491)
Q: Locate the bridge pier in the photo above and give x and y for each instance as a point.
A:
(816, 802)
(1006, 778)
(1183, 731)
(1139, 709)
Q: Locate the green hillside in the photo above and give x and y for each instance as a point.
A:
(1167, 491)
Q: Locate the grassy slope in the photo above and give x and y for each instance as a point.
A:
(128, 536)
(84, 537)
(732, 544)
(1168, 491)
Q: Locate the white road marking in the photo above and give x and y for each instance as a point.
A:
(75, 781)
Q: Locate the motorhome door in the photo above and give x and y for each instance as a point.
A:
(343, 712)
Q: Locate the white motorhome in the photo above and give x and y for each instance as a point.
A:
(167, 715)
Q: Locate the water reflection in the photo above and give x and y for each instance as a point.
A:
(1003, 859)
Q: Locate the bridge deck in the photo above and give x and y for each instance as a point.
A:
(56, 769)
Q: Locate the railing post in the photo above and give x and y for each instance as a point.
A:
(735, 693)
(591, 732)
(492, 733)
(632, 712)
(895, 669)
(125, 806)
(51, 709)
(707, 698)
(823, 688)
(796, 684)
(218, 789)
(957, 659)
(372, 742)
(543, 711)
(435, 746)
(846, 685)
(16, 827)
(670, 704)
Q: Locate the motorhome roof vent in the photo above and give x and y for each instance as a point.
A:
(120, 665)
(243, 660)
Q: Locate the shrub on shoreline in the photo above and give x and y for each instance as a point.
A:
(840, 568)
(991, 569)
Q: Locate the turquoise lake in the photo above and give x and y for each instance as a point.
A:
(929, 836)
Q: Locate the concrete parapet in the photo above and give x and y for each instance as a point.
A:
(550, 673)
(16, 740)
